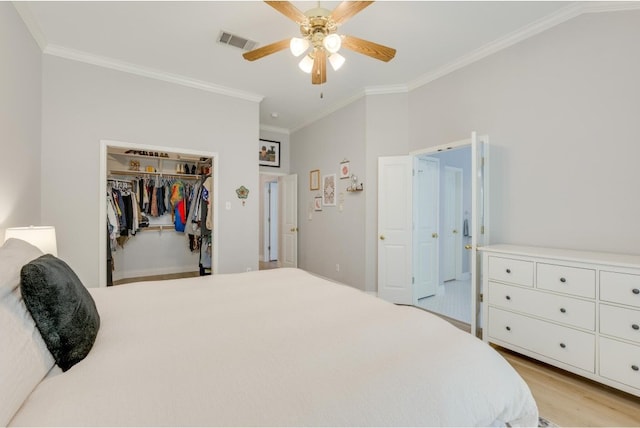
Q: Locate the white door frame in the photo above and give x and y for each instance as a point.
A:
(275, 176)
(102, 180)
(479, 237)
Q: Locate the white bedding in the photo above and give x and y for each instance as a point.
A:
(275, 348)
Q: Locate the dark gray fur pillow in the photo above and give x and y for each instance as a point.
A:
(62, 308)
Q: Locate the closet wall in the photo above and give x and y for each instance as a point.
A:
(156, 242)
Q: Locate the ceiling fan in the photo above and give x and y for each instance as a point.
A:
(318, 28)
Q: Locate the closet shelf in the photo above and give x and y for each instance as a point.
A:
(154, 174)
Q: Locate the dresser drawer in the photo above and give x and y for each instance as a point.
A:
(620, 362)
(563, 344)
(566, 279)
(621, 288)
(511, 270)
(620, 322)
(567, 310)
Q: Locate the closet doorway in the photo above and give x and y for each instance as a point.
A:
(168, 200)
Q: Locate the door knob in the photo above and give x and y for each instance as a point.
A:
(468, 247)
(455, 231)
(294, 229)
(382, 237)
(434, 235)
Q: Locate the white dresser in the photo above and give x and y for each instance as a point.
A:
(573, 309)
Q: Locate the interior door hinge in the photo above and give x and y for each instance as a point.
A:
(482, 230)
(481, 297)
(413, 280)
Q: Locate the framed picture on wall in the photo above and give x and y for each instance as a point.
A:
(269, 153)
(329, 190)
(317, 203)
(345, 170)
(314, 180)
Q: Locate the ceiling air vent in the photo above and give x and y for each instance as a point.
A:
(236, 41)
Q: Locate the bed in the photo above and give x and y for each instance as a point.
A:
(273, 348)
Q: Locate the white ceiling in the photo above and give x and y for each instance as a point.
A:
(177, 42)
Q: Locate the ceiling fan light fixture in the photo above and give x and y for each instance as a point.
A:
(306, 64)
(298, 46)
(332, 43)
(336, 60)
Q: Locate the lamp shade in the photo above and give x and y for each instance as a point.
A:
(332, 43)
(43, 237)
(298, 46)
(306, 64)
(336, 60)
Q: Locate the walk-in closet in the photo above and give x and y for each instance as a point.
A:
(160, 211)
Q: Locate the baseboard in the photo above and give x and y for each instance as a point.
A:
(117, 276)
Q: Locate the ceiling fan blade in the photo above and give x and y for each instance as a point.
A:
(347, 9)
(266, 50)
(288, 10)
(319, 70)
(365, 47)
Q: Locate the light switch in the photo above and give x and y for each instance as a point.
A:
(227, 205)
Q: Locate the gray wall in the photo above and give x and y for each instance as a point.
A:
(332, 237)
(20, 97)
(561, 110)
(83, 104)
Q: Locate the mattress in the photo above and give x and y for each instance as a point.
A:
(275, 348)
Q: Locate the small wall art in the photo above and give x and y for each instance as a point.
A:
(314, 179)
(329, 190)
(345, 169)
(317, 203)
(269, 153)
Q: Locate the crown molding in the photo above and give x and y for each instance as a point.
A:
(76, 55)
(26, 15)
(270, 128)
(385, 90)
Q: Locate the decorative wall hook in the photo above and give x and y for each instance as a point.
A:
(243, 193)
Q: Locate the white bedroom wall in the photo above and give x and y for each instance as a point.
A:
(561, 110)
(20, 96)
(83, 104)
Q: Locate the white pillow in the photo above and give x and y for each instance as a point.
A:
(24, 357)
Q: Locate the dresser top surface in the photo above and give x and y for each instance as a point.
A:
(614, 259)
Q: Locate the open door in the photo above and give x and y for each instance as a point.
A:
(288, 190)
(479, 236)
(426, 224)
(395, 212)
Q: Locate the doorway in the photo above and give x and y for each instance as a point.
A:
(270, 222)
(278, 221)
(397, 263)
(450, 208)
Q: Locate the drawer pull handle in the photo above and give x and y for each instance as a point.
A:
(508, 328)
(563, 279)
(634, 368)
(635, 326)
(636, 291)
(509, 271)
(508, 297)
(563, 310)
(562, 345)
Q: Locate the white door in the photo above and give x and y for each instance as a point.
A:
(288, 190)
(395, 229)
(479, 235)
(426, 195)
(451, 230)
(273, 221)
